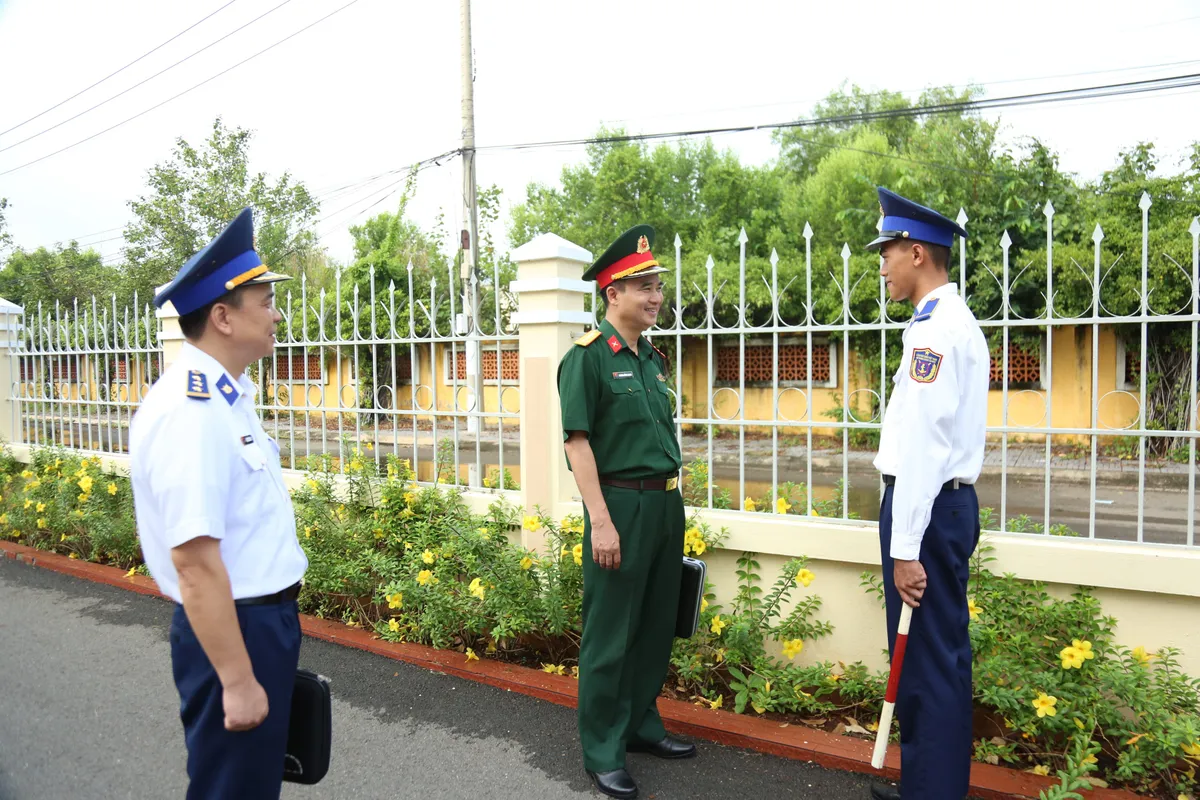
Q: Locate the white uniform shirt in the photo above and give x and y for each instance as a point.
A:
(205, 467)
(935, 427)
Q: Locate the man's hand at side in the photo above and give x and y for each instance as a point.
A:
(208, 603)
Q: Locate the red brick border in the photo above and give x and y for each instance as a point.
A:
(725, 727)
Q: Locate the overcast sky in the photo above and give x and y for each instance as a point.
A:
(377, 86)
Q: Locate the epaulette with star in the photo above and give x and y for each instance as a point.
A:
(588, 338)
(197, 385)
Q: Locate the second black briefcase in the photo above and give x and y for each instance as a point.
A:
(310, 731)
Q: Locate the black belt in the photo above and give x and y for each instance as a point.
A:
(890, 480)
(290, 593)
(644, 485)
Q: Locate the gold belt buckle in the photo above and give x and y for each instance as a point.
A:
(672, 484)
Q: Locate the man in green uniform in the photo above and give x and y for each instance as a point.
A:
(620, 443)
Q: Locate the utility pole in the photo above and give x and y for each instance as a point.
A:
(470, 234)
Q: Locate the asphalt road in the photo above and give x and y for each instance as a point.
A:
(88, 710)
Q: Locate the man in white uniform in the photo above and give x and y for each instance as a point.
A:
(930, 455)
(216, 523)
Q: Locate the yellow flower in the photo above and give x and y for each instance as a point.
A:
(1084, 647)
(112, 488)
(409, 498)
(526, 562)
(3, 519)
(749, 504)
(715, 704)
(370, 447)
(379, 533)
(41, 507)
(26, 474)
(554, 669)
(698, 547)
(973, 609)
(355, 464)
(1139, 652)
(62, 538)
(395, 600)
(532, 523)
(565, 552)
(1091, 759)
(83, 498)
(577, 552)
(131, 573)
(28, 503)
(471, 655)
(792, 648)
(428, 557)
(1192, 749)
(718, 625)
(816, 513)
(393, 626)
(425, 577)
(476, 588)
(41, 523)
(782, 506)
(1072, 657)
(1040, 769)
(703, 605)
(85, 483)
(805, 576)
(73, 555)
(313, 485)
(720, 654)
(1045, 705)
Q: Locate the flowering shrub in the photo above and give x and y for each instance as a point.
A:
(1055, 694)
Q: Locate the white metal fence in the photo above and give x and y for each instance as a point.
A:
(404, 371)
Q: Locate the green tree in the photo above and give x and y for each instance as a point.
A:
(5, 236)
(64, 275)
(195, 194)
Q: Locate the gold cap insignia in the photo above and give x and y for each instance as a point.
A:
(643, 245)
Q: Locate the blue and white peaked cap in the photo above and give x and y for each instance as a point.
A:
(904, 219)
(227, 262)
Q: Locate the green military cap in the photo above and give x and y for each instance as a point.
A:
(629, 256)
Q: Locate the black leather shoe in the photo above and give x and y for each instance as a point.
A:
(881, 791)
(617, 783)
(667, 748)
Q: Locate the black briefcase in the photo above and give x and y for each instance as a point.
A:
(691, 594)
(310, 731)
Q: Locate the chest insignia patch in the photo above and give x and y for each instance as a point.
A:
(925, 364)
(614, 343)
(620, 375)
(197, 385)
(661, 377)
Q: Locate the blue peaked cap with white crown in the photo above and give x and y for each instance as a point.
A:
(904, 219)
(225, 263)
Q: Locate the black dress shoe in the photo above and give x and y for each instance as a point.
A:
(617, 783)
(667, 748)
(881, 791)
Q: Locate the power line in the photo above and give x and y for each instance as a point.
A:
(185, 91)
(147, 80)
(122, 69)
(1036, 98)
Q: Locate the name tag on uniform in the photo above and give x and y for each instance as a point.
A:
(620, 375)
(247, 439)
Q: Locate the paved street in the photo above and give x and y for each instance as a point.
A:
(88, 710)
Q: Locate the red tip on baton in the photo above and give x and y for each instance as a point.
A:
(889, 698)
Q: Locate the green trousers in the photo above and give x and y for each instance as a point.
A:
(629, 625)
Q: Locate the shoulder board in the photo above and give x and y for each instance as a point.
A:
(665, 361)
(588, 338)
(197, 385)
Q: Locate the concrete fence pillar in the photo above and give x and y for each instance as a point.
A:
(11, 315)
(550, 317)
(170, 336)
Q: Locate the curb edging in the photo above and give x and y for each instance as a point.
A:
(724, 727)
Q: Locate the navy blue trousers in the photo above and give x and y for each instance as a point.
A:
(242, 765)
(933, 702)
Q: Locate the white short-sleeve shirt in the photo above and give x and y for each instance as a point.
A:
(202, 465)
(935, 428)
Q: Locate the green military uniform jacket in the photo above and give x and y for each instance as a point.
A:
(623, 403)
